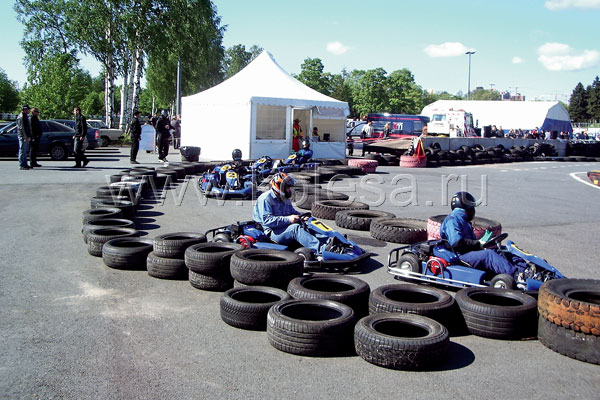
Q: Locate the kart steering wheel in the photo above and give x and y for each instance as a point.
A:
(495, 241)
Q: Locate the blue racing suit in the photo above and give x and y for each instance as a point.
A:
(272, 213)
(302, 156)
(458, 231)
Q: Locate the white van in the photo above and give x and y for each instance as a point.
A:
(453, 123)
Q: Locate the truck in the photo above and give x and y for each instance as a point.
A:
(401, 125)
(451, 122)
(107, 135)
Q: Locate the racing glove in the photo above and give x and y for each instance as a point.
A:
(486, 237)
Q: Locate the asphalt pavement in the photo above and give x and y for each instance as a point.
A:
(73, 328)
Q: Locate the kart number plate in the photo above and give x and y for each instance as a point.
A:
(321, 225)
(260, 161)
(231, 175)
(225, 167)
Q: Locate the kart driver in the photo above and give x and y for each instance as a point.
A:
(458, 231)
(304, 154)
(236, 166)
(280, 221)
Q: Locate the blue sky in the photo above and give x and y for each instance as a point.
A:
(542, 48)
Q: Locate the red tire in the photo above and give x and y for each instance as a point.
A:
(480, 225)
(413, 162)
(367, 166)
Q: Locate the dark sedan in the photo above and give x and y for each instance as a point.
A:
(56, 140)
(93, 134)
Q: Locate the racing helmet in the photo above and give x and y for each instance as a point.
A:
(282, 185)
(466, 201)
(305, 144)
(165, 113)
(236, 155)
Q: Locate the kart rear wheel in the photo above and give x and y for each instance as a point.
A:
(305, 253)
(222, 237)
(503, 281)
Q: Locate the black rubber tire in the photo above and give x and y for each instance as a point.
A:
(572, 303)
(94, 201)
(166, 268)
(347, 290)
(247, 307)
(326, 209)
(413, 299)
(359, 220)
(127, 207)
(95, 214)
(126, 253)
(106, 223)
(311, 327)
(401, 341)
(97, 237)
(503, 281)
(173, 245)
(216, 283)
(577, 345)
(211, 258)
(266, 267)
(399, 230)
(304, 200)
(498, 313)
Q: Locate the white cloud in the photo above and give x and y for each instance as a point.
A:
(517, 60)
(337, 48)
(555, 5)
(561, 57)
(447, 49)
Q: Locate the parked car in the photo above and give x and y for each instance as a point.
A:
(93, 134)
(56, 140)
(107, 135)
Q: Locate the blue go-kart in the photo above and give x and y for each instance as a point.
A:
(262, 167)
(434, 261)
(342, 254)
(224, 181)
(297, 162)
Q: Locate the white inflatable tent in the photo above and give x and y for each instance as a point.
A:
(547, 115)
(254, 111)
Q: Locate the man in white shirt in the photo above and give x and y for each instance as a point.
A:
(367, 130)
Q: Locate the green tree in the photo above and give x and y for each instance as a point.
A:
(236, 58)
(578, 104)
(9, 93)
(312, 75)
(593, 105)
(188, 30)
(405, 96)
(62, 85)
(369, 91)
(483, 94)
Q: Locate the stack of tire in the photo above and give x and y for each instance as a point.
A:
(359, 220)
(265, 267)
(304, 196)
(569, 318)
(328, 209)
(367, 166)
(406, 328)
(399, 230)
(209, 265)
(167, 259)
(102, 224)
(480, 225)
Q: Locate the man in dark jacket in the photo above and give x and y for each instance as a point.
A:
(24, 133)
(163, 126)
(80, 134)
(136, 135)
(36, 135)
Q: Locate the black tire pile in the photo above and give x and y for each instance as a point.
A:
(478, 154)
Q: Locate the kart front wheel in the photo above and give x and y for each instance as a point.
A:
(305, 253)
(409, 262)
(222, 237)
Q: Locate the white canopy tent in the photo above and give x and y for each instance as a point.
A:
(254, 111)
(547, 115)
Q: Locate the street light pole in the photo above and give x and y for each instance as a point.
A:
(469, 53)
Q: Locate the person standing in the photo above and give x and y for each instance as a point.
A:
(24, 133)
(163, 126)
(136, 136)
(296, 135)
(387, 131)
(36, 136)
(80, 133)
(177, 131)
(367, 130)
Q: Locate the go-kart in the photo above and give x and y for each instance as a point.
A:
(226, 181)
(296, 162)
(262, 167)
(434, 261)
(342, 254)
